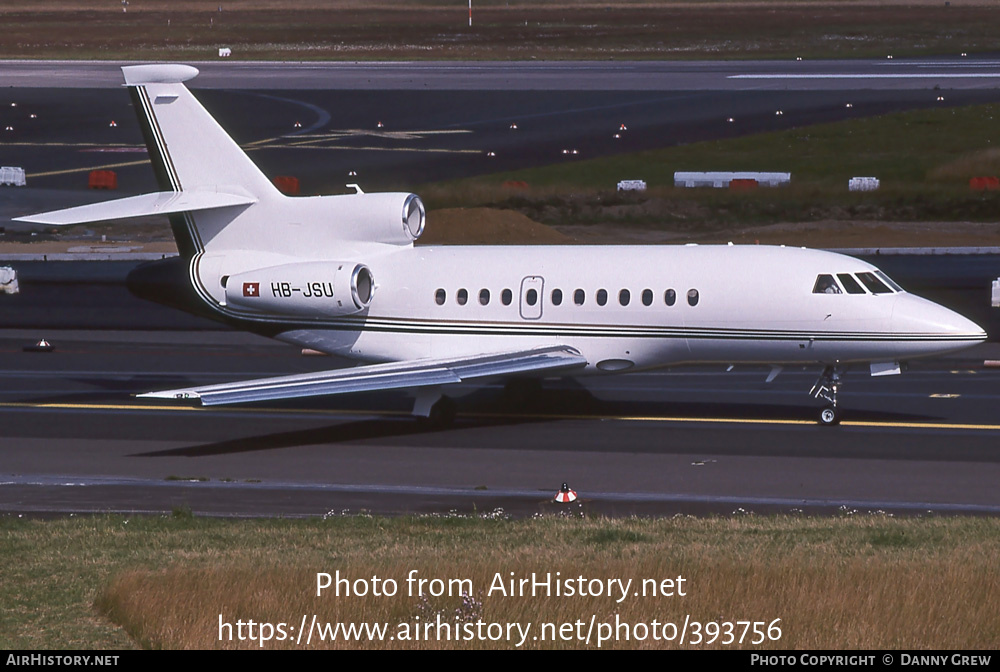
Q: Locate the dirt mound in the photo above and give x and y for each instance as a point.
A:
(841, 234)
(830, 234)
(487, 226)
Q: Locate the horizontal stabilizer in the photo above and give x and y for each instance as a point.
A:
(394, 375)
(160, 203)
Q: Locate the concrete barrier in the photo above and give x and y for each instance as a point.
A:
(863, 184)
(287, 184)
(12, 176)
(742, 185)
(102, 179)
(632, 185)
(983, 183)
(721, 180)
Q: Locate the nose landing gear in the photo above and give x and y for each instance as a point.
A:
(829, 416)
(825, 388)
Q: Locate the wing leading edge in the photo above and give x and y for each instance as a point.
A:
(394, 375)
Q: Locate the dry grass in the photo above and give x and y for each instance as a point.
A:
(843, 603)
(972, 164)
(312, 29)
(486, 226)
(868, 582)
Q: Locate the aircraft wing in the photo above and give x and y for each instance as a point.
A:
(393, 375)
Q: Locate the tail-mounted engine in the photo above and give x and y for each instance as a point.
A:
(394, 218)
(309, 289)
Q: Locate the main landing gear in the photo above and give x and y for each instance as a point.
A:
(826, 390)
(434, 409)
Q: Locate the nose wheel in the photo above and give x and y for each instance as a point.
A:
(830, 415)
(825, 389)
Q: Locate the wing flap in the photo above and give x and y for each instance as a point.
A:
(159, 203)
(394, 375)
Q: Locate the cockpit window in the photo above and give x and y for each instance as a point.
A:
(825, 284)
(850, 284)
(887, 280)
(874, 285)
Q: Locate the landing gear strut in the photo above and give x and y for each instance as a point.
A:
(826, 389)
(442, 413)
(433, 408)
(521, 394)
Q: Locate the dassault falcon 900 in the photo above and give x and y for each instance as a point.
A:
(340, 274)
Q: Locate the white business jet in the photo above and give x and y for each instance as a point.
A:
(340, 274)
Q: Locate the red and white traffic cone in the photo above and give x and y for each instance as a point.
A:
(565, 495)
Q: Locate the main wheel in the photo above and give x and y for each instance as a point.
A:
(829, 416)
(442, 413)
(521, 394)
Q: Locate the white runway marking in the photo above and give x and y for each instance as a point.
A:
(904, 75)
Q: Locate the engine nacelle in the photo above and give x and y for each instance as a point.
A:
(394, 218)
(309, 289)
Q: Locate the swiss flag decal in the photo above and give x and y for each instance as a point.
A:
(251, 289)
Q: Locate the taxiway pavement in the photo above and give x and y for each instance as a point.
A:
(74, 438)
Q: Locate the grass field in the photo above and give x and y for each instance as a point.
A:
(925, 181)
(429, 29)
(857, 581)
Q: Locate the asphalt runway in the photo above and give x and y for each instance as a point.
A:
(685, 441)
(72, 439)
(443, 120)
(898, 74)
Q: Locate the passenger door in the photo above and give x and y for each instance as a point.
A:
(531, 297)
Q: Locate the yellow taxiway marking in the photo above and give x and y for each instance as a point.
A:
(194, 409)
(527, 416)
(93, 145)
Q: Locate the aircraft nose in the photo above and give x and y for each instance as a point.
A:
(926, 328)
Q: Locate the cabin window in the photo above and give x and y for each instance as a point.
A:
(579, 296)
(484, 296)
(556, 297)
(624, 297)
(462, 296)
(887, 280)
(874, 285)
(647, 297)
(439, 297)
(692, 297)
(670, 297)
(602, 297)
(850, 284)
(224, 280)
(825, 284)
(531, 297)
(506, 297)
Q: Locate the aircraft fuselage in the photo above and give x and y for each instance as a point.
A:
(622, 307)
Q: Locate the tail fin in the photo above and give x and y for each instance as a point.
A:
(207, 181)
(189, 150)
